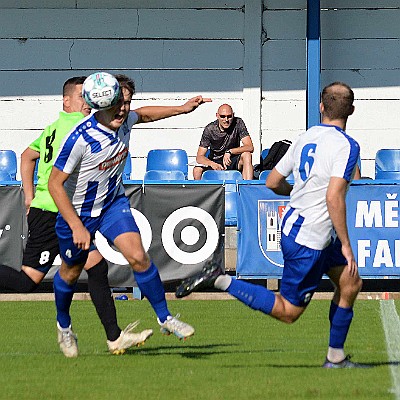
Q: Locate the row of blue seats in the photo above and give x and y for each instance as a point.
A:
(166, 160)
(163, 164)
(387, 164)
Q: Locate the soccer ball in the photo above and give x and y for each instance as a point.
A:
(101, 90)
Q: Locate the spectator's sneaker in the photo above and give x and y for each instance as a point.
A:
(203, 279)
(68, 341)
(346, 363)
(172, 325)
(128, 339)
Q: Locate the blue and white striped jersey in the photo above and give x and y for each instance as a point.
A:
(95, 157)
(322, 152)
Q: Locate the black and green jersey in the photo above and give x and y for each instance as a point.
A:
(47, 145)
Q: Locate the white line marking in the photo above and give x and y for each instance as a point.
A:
(391, 326)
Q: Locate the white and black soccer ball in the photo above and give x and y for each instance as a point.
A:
(101, 90)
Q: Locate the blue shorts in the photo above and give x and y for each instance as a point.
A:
(112, 222)
(304, 268)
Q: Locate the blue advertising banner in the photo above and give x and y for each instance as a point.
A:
(259, 228)
(373, 224)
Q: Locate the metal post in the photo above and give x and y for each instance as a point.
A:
(313, 62)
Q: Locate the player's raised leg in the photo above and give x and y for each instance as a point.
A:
(254, 296)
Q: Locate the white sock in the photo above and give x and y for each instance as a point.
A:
(335, 355)
(63, 329)
(222, 282)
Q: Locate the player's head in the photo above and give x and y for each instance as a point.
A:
(337, 101)
(115, 116)
(127, 86)
(72, 96)
(126, 83)
(225, 116)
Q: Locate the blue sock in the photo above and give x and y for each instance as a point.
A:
(63, 295)
(332, 311)
(340, 325)
(255, 296)
(150, 285)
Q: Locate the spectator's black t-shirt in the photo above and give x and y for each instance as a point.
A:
(220, 141)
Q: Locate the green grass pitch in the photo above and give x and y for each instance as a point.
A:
(236, 353)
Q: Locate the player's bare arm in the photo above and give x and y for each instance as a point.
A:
(336, 203)
(28, 161)
(155, 113)
(278, 183)
(81, 236)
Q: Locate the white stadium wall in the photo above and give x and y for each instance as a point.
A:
(248, 53)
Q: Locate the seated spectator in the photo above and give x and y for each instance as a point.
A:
(229, 143)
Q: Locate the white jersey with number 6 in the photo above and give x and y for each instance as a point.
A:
(322, 152)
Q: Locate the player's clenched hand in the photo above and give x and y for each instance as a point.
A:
(81, 238)
(194, 102)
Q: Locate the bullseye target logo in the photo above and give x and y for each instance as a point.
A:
(189, 235)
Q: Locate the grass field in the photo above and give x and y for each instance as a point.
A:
(236, 354)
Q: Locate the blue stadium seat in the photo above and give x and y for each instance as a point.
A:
(8, 163)
(231, 200)
(264, 174)
(231, 195)
(264, 153)
(387, 160)
(4, 176)
(168, 160)
(126, 175)
(389, 175)
(222, 175)
(157, 175)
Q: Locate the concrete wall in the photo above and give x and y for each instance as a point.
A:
(249, 53)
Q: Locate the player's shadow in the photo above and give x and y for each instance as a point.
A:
(196, 351)
(271, 365)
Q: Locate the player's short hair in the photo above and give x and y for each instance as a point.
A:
(126, 82)
(70, 84)
(337, 99)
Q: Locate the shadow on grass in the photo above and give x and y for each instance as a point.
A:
(319, 366)
(196, 351)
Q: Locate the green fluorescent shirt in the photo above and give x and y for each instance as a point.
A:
(47, 145)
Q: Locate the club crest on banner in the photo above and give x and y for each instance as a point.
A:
(270, 215)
